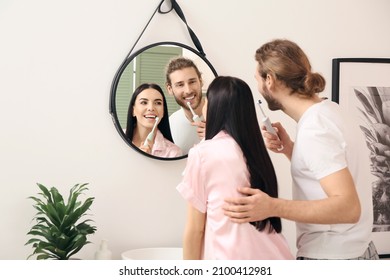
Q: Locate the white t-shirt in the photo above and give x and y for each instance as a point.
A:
(183, 133)
(321, 148)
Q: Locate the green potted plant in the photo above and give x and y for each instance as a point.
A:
(59, 233)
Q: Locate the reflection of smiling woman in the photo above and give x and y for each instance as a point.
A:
(147, 103)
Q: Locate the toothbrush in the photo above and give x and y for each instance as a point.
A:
(150, 136)
(195, 117)
(266, 121)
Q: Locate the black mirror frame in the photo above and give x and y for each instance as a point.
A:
(114, 87)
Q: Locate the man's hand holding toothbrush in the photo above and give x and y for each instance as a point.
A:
(199, 122)
(200, 128)
(275, 142)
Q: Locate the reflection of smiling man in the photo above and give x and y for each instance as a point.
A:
(184, 82)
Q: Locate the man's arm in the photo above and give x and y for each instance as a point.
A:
(341, 206)
(193, 234)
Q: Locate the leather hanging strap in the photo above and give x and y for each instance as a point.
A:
(179, 12)
(194, 38)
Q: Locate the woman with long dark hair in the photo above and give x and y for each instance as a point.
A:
(148, 106)
(233, 154)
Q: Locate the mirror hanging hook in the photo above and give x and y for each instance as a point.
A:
(168, 5)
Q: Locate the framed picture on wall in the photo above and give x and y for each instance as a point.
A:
(362, 88)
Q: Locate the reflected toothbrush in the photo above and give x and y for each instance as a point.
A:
(266, 121)
(150, 136)
(195, 117)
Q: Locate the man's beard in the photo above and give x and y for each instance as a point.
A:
(183, 103)
(273, 104)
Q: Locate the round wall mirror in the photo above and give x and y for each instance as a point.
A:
(148, 66)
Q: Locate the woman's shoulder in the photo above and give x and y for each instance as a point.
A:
(166, 147)
(218, 144)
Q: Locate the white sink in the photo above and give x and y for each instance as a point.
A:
(162, 253)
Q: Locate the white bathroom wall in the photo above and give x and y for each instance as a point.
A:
(57, 62)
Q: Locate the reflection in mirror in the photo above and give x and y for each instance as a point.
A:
(148, 122)
(149, 66)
